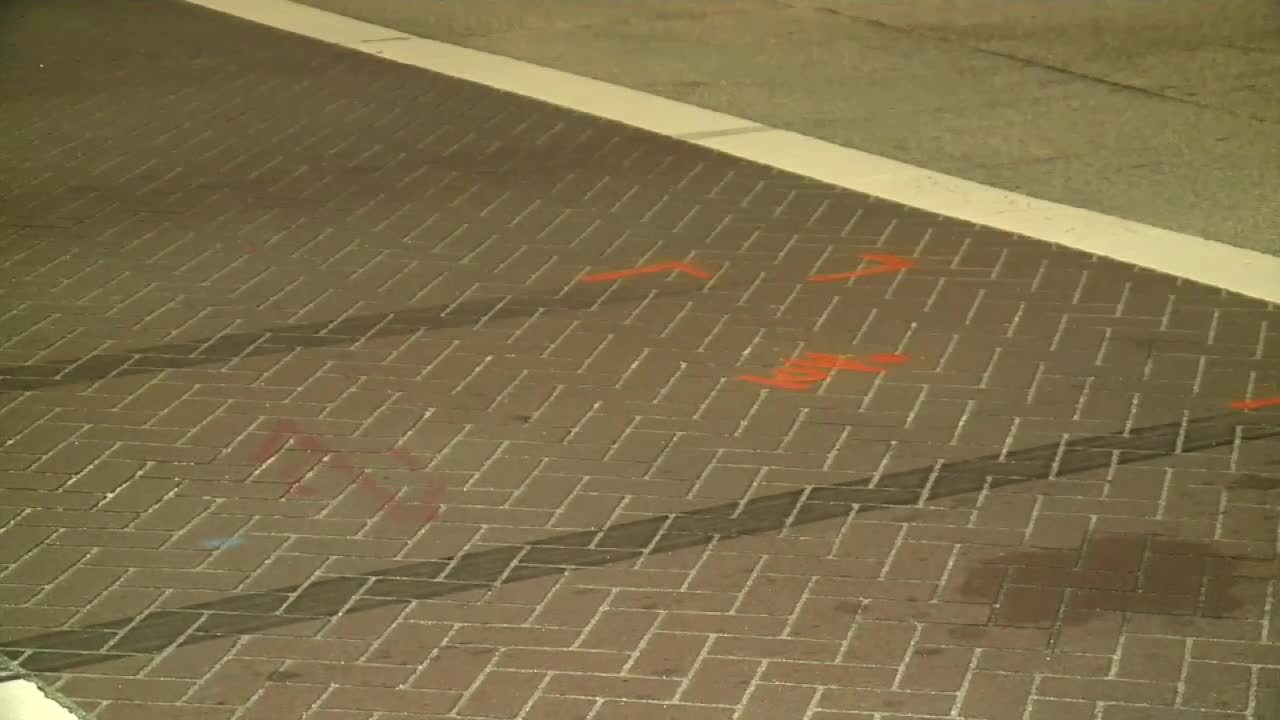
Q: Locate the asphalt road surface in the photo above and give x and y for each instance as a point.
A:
(1166, 113)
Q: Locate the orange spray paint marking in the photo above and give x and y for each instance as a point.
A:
(685, 268)
(800, 374)
(792, 376)
(1256, 404)
(887, 264)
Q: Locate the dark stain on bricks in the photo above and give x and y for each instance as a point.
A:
(1118, 572)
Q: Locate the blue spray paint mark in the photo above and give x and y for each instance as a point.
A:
(219, 543)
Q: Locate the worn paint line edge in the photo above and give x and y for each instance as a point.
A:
(1239, 270)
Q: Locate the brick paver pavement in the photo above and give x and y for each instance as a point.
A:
(314, 406)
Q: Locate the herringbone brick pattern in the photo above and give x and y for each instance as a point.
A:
(307, 414)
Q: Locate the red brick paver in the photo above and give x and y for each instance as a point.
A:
(503, 477)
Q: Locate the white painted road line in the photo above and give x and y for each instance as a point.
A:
(24, 700)
(1236, 269)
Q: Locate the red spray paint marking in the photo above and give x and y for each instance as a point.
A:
(287, 430)
(433, 499)
(685, 268)
(887, 264)
(801, 374)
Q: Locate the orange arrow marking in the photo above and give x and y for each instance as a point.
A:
(887, 264)
(685, 268)
(799, 374)
(1256, 404)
